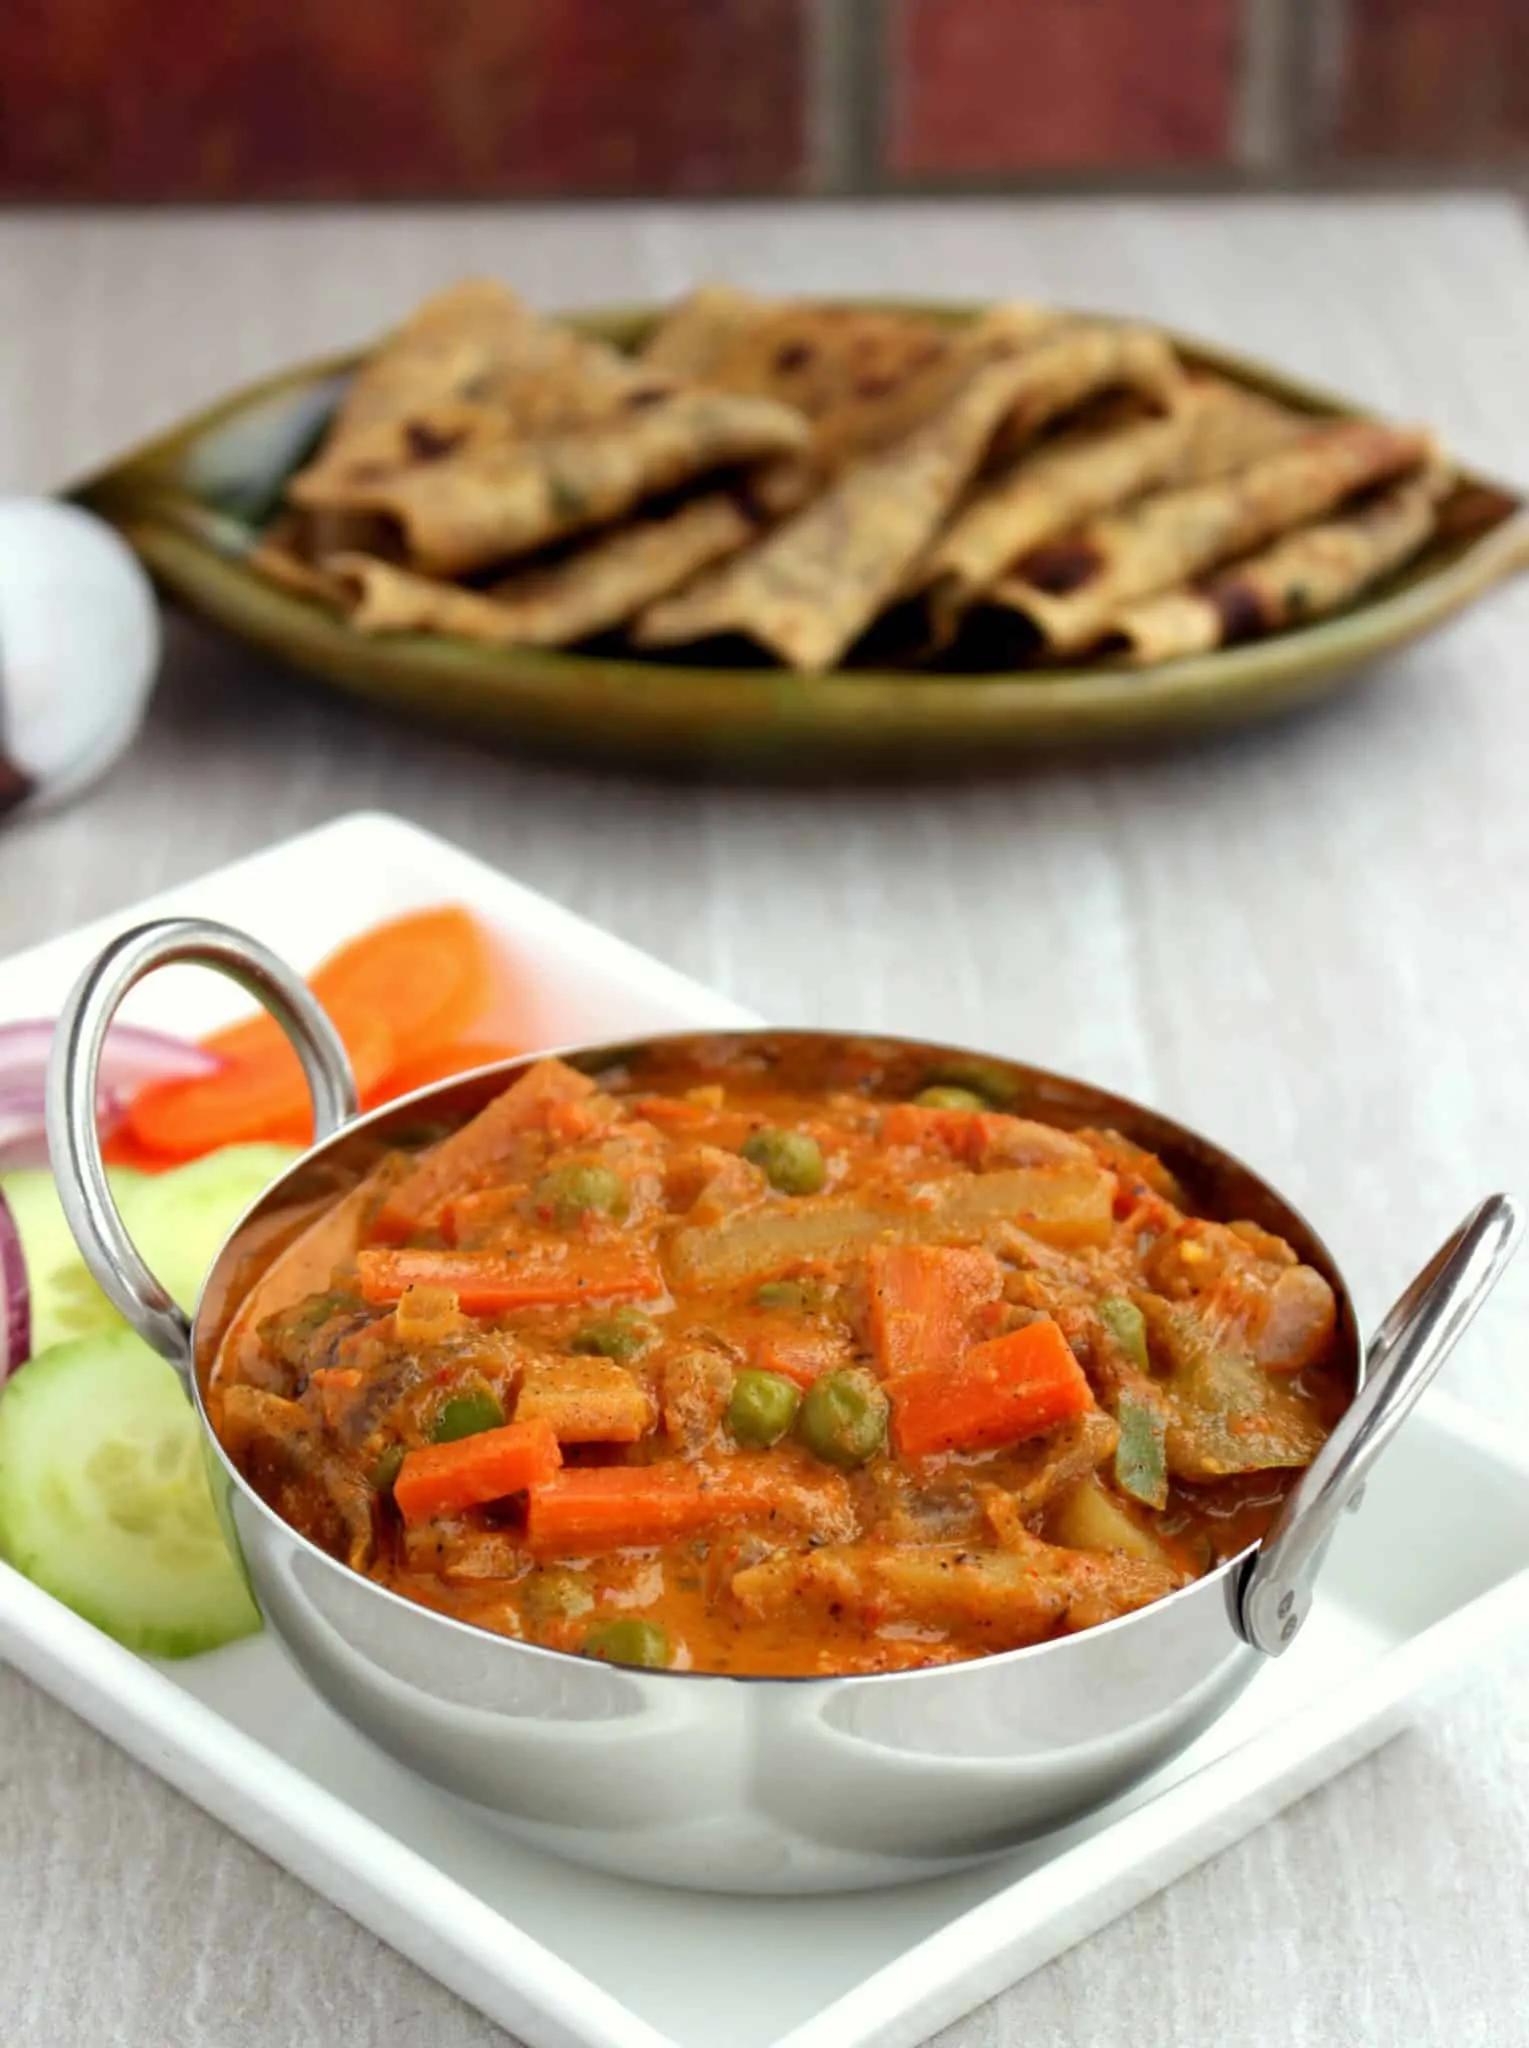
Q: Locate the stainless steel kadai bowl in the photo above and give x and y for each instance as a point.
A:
(746, 1784)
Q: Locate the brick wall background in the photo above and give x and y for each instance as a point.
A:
(241, 99)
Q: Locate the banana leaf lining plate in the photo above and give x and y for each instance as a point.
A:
(192, 502)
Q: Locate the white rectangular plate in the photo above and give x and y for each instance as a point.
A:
(562, 1956)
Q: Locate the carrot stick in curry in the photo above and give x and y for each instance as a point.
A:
(443, 1479)
(1000, 1392)
(608, 1507)
(486, 1284)
(910, 1123)
(469, 1155)
(924, 1300)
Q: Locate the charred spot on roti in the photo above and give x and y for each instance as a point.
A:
(1060, 569)
(428, 444)
(1238, 609)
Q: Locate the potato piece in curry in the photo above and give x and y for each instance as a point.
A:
(742, 1371)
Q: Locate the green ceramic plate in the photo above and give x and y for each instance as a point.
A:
(192, 501)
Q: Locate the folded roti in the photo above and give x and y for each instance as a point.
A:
(696, 332)
(1065, 594)
(282, 556)
(1077, 362)
(470, 367)
(382, 447)
(811, 588)
(380, 597)
(588, 591)
(864, 376)
(1310, 572)
(1212, 428)
(467, 511)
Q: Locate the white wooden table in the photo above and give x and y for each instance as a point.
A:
(1310, 940)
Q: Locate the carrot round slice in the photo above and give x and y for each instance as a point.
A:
(123, 1149)
(447, 1061)
(259, 1093)
(430, 975)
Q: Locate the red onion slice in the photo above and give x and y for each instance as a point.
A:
(22, 1143)
(15, 1297)
(23, 1125)
(133, 1056)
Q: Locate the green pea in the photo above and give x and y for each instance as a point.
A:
(629, 1641)
(796, 1297)
(843, 1419)
(787, 1294)
(790, 1161)
(623, 1334)
(555, 1596)
(763, 1407)
(385, 1470)
(1128, 1326)
(466, 1415)
(982, 1078)
(946, 1096)
(319, 1309)
(572, 1192)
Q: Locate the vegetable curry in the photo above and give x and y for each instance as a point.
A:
(732, 1361)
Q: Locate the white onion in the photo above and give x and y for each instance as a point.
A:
(79, 649)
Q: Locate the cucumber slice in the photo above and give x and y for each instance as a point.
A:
(104, 1499)
(177, 1220)
(66, 1302)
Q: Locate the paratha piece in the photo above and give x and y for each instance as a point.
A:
(1313, 571)
(469, 511)
(471, 367)
(585, 592)
(864, 376)
(450, 347)
(282, 556)
(810, 589)
(380, 448)
(697, 333)
(1064, 595)
(1080, 360)
(1213, 427)
(380, 597)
